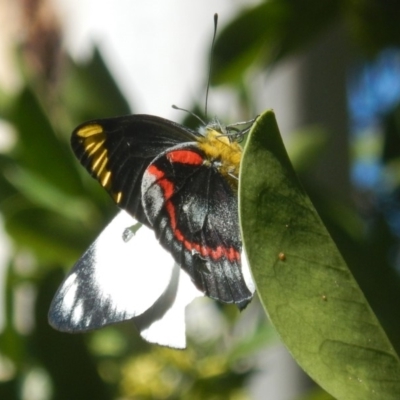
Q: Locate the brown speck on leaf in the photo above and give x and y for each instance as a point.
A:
(282, 256)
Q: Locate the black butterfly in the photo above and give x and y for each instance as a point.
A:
(182, 185)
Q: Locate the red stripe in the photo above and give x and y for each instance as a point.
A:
(167, 186)
(185, 157)
(153, 170)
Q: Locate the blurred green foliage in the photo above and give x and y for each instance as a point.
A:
(52, 211)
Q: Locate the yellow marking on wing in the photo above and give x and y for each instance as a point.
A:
(98, 160)
(93, 139)
(105, 179)
(89, 145)
(91, 148)
(89, 130)
(102, 168)
(117, 197)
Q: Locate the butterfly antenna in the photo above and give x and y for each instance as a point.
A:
(189, 112)
(211, 62)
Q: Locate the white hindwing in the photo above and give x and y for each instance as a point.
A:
(120, 278)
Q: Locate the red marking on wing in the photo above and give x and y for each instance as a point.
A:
(167, 186)
(185, 157)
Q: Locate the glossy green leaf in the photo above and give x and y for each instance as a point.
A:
(304, 284)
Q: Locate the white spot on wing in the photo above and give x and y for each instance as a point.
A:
(131, 275)
(114, 280)
(77, 313)
(69, 295)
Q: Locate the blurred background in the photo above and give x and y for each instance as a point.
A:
(331, 72)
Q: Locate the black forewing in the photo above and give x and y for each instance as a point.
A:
(206, 214)
(124, 147)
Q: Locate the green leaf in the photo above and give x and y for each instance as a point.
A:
(66, 357)
(43, 194)
(317, 394)
(269, 32)
(374, 24)
(89, 91)
(50, 235)
(38, 149)
(304, 284)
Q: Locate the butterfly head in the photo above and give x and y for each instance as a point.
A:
(222, 151)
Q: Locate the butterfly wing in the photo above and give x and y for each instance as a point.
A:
(194, 212)
(164, 323)
(204, 239)
(117, 151)
(116, 279)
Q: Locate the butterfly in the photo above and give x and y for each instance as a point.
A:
(172, 183)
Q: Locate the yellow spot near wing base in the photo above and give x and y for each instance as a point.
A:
(218, 147)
